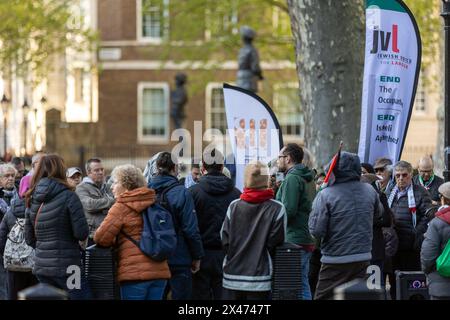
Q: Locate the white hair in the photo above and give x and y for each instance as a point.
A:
(7, 167)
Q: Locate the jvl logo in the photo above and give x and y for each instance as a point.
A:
(385, 38)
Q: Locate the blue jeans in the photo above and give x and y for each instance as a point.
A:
(145, 290)
(306, 290)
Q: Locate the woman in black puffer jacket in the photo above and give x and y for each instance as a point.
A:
(55, 223)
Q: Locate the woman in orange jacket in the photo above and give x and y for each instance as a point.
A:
(140, 277)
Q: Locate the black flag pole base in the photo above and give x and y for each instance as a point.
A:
(446, 172)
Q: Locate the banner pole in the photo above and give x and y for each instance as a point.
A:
(446, 15)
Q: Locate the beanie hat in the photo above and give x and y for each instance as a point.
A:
(444, 189)
(256, 176)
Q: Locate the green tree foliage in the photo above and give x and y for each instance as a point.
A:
(426, 13)
(31, 31)
(209, 29)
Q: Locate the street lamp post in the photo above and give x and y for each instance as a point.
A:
(35, 129)
(5, 104)
(25, 108)
(446, 15)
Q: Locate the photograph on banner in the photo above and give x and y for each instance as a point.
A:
(252, 127)
(391, 72)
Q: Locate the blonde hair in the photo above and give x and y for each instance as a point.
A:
(129, 176)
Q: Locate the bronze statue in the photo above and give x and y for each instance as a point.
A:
(249, 70)
(179, 99)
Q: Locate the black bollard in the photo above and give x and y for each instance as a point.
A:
(42, 291)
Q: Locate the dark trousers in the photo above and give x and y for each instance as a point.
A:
(333, 275)
(380, 264)
(314, 269)
(403, 261)
(18, 281)
(180, 284)
(245, 295)
(207, 282)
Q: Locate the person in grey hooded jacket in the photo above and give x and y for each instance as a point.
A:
(342, 217)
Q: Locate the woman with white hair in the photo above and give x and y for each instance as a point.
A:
(140, 277)
(7, 182)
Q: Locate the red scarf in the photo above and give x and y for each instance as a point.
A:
(257, 195)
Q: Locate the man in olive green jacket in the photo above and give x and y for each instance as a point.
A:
(297, 193)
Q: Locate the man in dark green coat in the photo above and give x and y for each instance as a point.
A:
(297, 193)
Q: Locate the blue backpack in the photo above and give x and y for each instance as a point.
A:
(159, 237)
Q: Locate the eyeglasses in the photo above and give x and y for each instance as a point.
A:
(404, 175)
(379, 170)
(426, 171)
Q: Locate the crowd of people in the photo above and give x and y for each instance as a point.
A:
(368, 214)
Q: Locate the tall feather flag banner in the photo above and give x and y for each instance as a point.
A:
(253, 129)
(391, 71)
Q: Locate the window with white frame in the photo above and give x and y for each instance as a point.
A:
(420, 100)
(153, 112)
(153, 19)
(287, 108)
(217, 111)
(221, 19)
(215, 108)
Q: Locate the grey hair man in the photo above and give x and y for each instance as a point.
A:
(409, 203)
(94, 195)
(7, 181)
(428, 179)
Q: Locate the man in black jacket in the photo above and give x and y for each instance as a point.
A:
(212, 196)
(428, 179)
